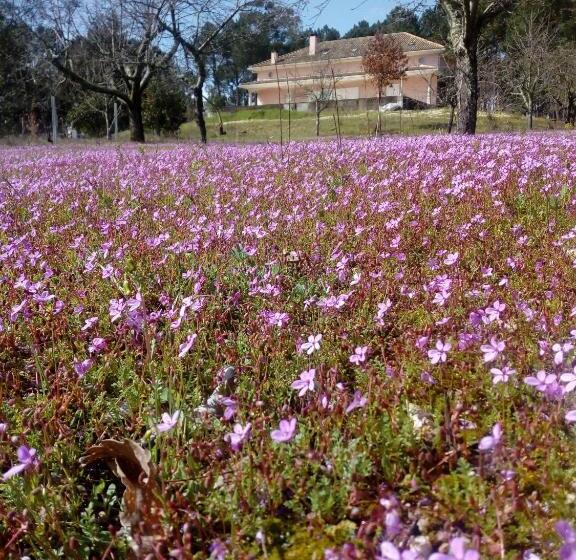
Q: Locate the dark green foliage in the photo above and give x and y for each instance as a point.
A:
(164, 104)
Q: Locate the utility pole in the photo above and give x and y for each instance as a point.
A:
(54, 120)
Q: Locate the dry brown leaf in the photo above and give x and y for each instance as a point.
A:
(141, 507)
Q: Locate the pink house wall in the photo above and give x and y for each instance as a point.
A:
(415, 87)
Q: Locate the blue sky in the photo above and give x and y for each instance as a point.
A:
(343, 14)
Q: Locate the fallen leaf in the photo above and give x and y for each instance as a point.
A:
(141, 506)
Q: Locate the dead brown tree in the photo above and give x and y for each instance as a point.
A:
(385, 62)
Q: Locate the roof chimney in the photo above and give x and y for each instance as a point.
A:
(313, 45)
(273, 57)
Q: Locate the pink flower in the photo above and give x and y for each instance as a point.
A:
(542, 381)
(457, 551)
(97, 345)
(89, 323)
(184, 348)
(358, 401)
(492, 350)
(570, 380)
(359, 355)
(439, 354)
(285, 432)
(26, 459)
(312, 345)
(168, 422)
(305, 383)
(490, 442)
(237, 437)
(501, 375)
(560, 350)
(16, 310)
(382, 310)
(421, 342)
(451, 258)
(81, 368)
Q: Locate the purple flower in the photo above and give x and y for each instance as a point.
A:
(560, 350)
(26, 459)
(570, 416)
(97, 345)
(359, 355)
(382, 310)
(285, 432)
(168, 422)
(389, 551)
(421, 342)
(81, 368)
(16, 310)
(488, 443)
(237, 437)
(570, 380)
(542, 381)
(305, 383)
(501, 375)
(451, 258)
(312, 345)
(218, 550)
(358, 401)
(457, 551)
(231, 407)
(439, 354)
(184, 348)
(568, 535)
(492, 350)
(89, 323)
(115, 309)
(275, 319)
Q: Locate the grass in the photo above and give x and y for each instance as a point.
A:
(262, 125)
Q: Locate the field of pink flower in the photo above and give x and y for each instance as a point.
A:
(340, 352)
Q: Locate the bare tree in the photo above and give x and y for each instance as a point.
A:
(320, 90)
(563, 82)
(385, 62)
(195, 25)
(121, 38)
(529, 62)
(467, 19)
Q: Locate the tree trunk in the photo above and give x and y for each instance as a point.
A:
(379, 125)
(571, 110)
(107, 123)
(317, 119)
(530, 115)
(136, 121)
(464, 39)
(451, 121)
(199, 95)
(466, 86)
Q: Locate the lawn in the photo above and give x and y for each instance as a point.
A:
(324, 350)
(263, 125)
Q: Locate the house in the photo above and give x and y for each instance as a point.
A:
(302, 77)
